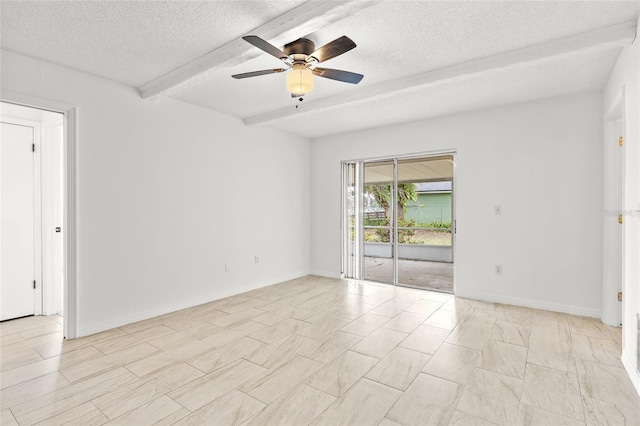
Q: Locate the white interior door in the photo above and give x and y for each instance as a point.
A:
(17, 255)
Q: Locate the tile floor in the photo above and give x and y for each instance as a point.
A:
(322, 351)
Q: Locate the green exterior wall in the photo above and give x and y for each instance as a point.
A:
(429, 208)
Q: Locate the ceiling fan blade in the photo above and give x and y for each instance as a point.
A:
(257, 73)
(266, 46)
(345, 76)
(334, 48)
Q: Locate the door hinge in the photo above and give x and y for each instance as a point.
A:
(33, 147)
(621, 141)
(619, 296)
(620, 219)
(34, 284)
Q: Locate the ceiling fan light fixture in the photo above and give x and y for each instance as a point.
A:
(299, 79)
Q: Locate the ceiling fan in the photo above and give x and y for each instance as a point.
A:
(301, 59)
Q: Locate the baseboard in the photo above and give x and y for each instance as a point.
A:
(183, 304)
(326, 274)
(629, 365)
(528, 303)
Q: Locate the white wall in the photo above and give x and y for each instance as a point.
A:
(627, 73)
(167, 193)
(541, 161)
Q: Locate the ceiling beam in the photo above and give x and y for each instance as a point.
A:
(302, 20)
(606, 38)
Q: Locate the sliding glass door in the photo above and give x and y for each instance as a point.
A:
(398, 218)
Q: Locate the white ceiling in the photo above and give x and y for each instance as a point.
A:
(424, 42)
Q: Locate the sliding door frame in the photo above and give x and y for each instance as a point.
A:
(358, 242)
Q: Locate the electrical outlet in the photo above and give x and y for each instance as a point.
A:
(498, 269)
(256, 260)
(227, 268)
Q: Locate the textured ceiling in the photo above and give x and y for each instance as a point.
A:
(137, 42)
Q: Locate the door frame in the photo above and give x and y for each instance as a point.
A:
(617, 113)
(359, 242)
(37, 208)
(69, 112)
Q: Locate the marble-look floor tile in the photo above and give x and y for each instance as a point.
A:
(399, 368)
(366, 403)
(279, 352)
(444, 319)
(355, 310)
(15, 359)
(47, 366)
(276, 356)
(453, 363)
(533, 416)
(456, 304)
(148, 323)
(213, 359)
(610, 413)
(405, 322)
(492, 397)
(424, 307)
(198, 332)
(425, 339)
(387, 422)
(30, 333)
(153, 412)
(379, 343)
(463, 419)
(158, 361)
(142, 392)
(202, 391)
(86, 415)
(32, 389)
(553, 390)
(511, 332)
(435, 296)
(274, 317)
(274, 383)
(588, 327)
(364, 325)
(235, 332)
(391, 308)
(318, 330)
(236, 318)
(607, 383)
(550, 345)
(504, 358)
(119, 343)
(333, 346)
(516, 314)
(6, 418)
(55, 403)
(429, 400)
(604, 351)
(277, 331)
(297, 407)
(341, 373)
(470, 334)
(233, 408)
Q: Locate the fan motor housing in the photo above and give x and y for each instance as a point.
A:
(302, 46)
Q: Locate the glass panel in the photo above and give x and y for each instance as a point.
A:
(350, 220)
(425, 255)
(377, 201)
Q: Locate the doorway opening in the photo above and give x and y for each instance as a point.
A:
(399, 221)
(34, 201)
